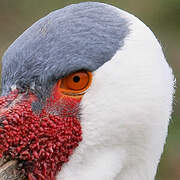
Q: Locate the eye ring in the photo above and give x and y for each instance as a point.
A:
(76, 83)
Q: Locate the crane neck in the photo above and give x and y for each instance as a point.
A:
(108, 164)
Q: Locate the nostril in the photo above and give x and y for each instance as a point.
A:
(3, 122)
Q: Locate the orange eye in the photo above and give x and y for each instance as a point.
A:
(75, 83)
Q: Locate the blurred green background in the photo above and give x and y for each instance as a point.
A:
(162, 16)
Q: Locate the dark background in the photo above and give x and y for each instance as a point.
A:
(162, 16)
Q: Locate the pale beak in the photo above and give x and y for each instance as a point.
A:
(8, 170)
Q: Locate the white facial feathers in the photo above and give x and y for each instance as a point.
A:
(126, 111)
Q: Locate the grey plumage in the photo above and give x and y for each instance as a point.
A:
(79, 36)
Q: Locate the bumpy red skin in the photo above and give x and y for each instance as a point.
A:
(43, 141)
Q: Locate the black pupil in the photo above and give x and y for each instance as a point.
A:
(76, 79)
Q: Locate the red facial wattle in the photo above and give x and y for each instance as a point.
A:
(41, 141)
